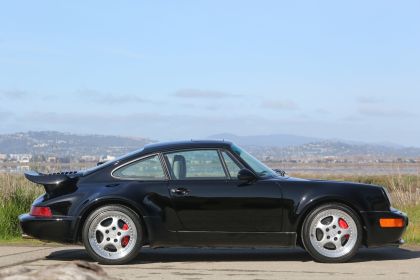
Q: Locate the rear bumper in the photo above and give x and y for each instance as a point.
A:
(58, 229)
(375, 235)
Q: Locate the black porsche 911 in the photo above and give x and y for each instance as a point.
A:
(207, 194)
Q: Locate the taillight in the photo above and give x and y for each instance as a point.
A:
(38, 211)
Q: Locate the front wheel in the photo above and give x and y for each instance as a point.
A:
(112, 234)
(332, 233)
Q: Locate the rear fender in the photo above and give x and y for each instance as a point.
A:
(90, 206)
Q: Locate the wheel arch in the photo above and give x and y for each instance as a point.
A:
(88, 209)
(306, 210)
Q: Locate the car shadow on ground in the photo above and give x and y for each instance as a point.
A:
(167, 255)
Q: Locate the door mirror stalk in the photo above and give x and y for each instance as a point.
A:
(246, 176)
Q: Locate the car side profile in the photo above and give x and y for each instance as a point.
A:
(207, 194)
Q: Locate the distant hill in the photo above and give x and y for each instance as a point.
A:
(274, 140)
(67, 144)
(275, 147)
(284, 146)
(337, 149)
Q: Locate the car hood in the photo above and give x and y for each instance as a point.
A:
(321, 182)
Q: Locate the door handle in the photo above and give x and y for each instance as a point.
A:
(180, 191)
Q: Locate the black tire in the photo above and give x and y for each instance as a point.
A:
(309, 247)
(102, 211)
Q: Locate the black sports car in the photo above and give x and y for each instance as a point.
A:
(207, 193)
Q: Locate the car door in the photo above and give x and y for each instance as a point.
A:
(208, 197)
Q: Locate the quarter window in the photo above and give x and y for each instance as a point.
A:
(231, 165)
(196, 164)
(145, 169)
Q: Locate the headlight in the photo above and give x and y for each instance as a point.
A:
(388, 196)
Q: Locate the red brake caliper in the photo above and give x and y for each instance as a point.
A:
(125, 239)
(343, 224)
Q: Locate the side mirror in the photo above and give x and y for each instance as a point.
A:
(246, 175)
(282, 173)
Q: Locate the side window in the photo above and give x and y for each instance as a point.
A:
(231, 165)
(196, 164)
(145, 169)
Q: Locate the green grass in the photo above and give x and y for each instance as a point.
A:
(19, 241)
(412, 235)
(17, 195)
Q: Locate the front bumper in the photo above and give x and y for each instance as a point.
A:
(58, 229)
(375, 235)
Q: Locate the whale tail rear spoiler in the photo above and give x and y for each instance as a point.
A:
(55, 183)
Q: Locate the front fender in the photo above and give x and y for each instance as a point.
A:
(306, 204)
(300, 197)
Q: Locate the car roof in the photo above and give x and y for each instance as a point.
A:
(185, 144)
(161, 147)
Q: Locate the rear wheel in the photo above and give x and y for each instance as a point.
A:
(332, 233)
(112, 234)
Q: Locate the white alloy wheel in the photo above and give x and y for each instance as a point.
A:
(332, 233)
(112, 234)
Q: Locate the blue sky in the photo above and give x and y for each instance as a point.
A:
(189, 69)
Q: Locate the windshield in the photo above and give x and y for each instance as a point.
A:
(259, 168)
(111, 162)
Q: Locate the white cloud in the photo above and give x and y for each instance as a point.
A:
(384, 111)
(5, 115)
(279, 105)
(110, 98)
(13, 94)
(369, 100)
(197, 93)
